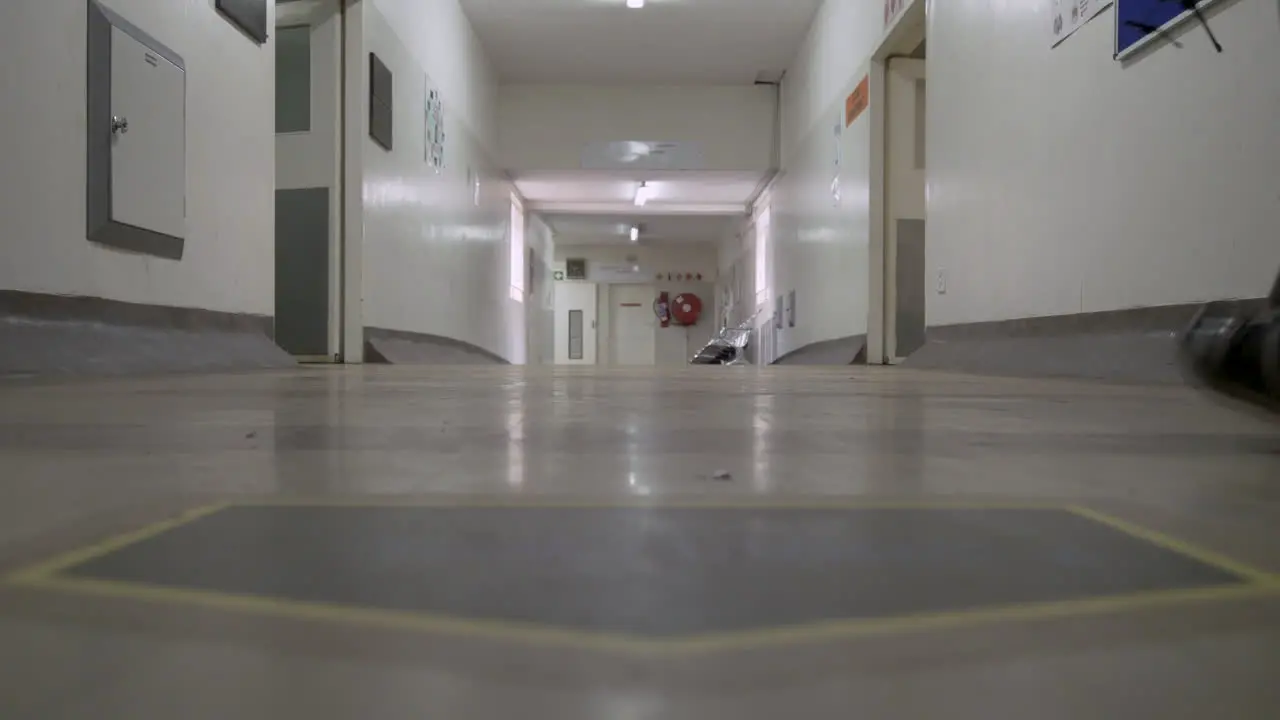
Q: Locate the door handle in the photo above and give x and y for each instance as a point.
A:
(119, 125)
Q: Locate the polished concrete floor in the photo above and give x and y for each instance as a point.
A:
(82, 462)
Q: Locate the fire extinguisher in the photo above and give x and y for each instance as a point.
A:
(662, 309)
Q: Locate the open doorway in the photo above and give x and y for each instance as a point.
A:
(899, 281)
(308, 44)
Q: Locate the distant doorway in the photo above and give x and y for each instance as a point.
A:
(899, 265)
(575, 325)
(308, 261)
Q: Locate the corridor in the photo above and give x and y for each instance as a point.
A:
(565, 543)
(638, 360)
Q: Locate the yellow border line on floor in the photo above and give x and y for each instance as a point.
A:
(1207, 557)
(532, 634)
(45, 576)
(960, 619)
(58, 563)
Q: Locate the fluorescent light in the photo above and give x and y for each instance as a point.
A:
(644, 194)
(635, 233)
(635, 4)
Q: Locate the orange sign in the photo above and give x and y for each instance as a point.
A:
(857, 101)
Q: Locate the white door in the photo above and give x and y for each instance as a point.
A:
(575, 327)
(632, 325)
(904, 215)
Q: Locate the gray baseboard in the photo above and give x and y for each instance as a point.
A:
(44, 335)
(400, 347)
(850, 350)
(1135, 345)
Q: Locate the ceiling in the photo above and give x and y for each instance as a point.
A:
(673, 42)
(669, 41)
(673, 192)
(593, 207)
(654, 229)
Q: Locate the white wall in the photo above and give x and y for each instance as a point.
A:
(435, 261)
(1061, 181)
(821, 246)
(541, 303)
(547, 127)
(842, 37)
(229, 258)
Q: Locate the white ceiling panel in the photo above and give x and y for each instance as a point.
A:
(692, 188)
(669, 41)
(654, 229)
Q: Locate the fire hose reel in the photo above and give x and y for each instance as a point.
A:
(686, 309)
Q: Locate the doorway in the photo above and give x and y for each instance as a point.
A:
(904, 207)
(900, 282)
(308, 111)
(575, 326)
(302, 272)
(632, 325)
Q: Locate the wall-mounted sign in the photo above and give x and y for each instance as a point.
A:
(616, 273)
(857, 101)
(1067, 16)
(559, 275)
(434, 128)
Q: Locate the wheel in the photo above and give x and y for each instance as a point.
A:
(1205, 345)
(1269, 358)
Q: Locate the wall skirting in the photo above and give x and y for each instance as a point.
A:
(401, 347)
(850, 350)
(63, 335)
(1133, 345)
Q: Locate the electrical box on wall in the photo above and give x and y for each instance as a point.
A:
(137, 165)
(575, 268)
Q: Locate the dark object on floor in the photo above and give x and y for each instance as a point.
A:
(1234, 353)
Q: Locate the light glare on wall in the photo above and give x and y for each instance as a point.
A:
(635, 233)
(635, 4)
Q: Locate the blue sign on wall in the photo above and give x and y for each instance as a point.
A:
(1141, 22)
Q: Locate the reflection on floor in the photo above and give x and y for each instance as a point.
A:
(551, 543)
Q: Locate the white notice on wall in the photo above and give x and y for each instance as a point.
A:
(1068, 16)
(624, 272)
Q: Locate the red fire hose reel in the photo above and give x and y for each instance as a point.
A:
(686, 308)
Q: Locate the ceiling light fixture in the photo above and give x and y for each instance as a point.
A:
(635, 4)
(635, 233)
(644, 194)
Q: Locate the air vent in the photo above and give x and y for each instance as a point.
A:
(575, 269)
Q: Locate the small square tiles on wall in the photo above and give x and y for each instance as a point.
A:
(380, 102)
